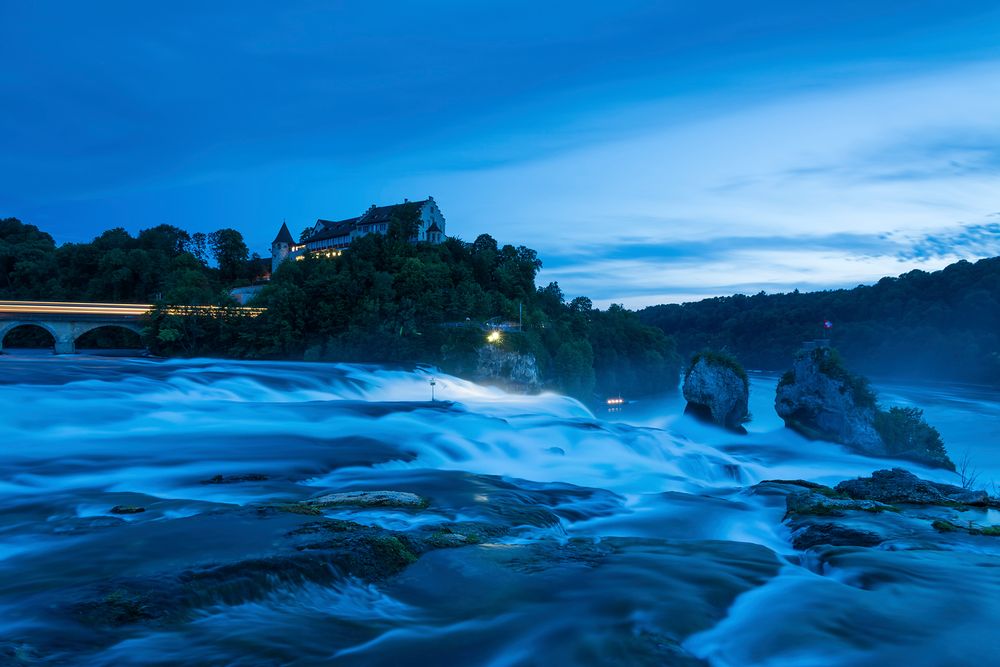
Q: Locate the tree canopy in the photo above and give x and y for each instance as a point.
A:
(940, 325)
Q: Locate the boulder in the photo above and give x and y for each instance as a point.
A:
(820, 503)
(902, 486)
(717, 390)
(819, 399)
(235, 479)
(399, 499)
(834, 535)
(127, 509)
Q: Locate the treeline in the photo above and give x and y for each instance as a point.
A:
(386, 300)
(163, 263)
(940, 325)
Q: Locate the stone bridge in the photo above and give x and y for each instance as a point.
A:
(68, 321)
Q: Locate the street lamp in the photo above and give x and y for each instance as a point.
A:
(433, 384)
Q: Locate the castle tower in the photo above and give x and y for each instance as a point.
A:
(281, 247)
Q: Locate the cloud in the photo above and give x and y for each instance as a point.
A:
(683, 150)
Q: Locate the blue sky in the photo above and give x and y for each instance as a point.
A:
(651, 151)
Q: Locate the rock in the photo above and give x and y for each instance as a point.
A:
(401, 499)
(942, 526)
(795, 482)
(834, 535)
(235, 479)
(121, 606)
(821, 400)
(716, 389)
(902, 486)
(821, 504)
(127, 509)
(511, 370)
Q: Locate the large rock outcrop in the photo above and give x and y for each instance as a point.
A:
(820, 400)
(511, 370)
(717, 390)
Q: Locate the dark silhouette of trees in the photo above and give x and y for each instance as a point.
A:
(940, 325)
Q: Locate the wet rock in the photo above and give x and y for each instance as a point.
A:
(945, 526)
(127, 509)
(235, 479)
(821, 400)
(398, 499)
(717, 390)
(834, 535)
(511, 370)
(317, 551)
(901, 486)
(816, 503)
(121, 606)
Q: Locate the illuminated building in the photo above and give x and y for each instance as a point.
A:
(329, 238)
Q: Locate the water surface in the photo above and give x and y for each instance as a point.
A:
(633, 541)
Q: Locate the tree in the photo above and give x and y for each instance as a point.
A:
(230, 253)
(199, 247)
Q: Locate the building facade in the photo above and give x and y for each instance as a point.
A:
(329, 238)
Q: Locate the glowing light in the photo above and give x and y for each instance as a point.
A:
(616, 401)
(493, 337)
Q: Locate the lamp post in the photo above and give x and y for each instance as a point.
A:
(433, 383)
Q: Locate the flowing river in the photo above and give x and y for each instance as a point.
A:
(547, 535)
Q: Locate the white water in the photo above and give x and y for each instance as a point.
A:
(82, 435)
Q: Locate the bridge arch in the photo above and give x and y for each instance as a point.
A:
(64, 334)
(81, 331)
(8, 326)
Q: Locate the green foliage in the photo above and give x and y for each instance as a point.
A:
(904, 431)
(942, 526)
(230, 253)
(386, 299)
(723, 359)
(944, 324)
(163, 263)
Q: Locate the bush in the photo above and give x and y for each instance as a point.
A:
(904, 432)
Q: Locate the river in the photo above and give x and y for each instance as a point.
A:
(626, 538)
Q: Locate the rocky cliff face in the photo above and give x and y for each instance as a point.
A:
(510, 370)
(716, 392)
(821, 403)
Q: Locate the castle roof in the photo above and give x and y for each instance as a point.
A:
(284, 236)
(433, 228)
(332, 229)
(378, 214)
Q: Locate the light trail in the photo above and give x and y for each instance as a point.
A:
(120, 309)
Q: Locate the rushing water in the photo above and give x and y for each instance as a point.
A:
(633, 541)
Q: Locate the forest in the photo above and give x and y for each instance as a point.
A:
(943, 325)
(386, 300)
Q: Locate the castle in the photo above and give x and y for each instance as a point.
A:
(328, 238)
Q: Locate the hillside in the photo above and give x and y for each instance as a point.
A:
(940, 325)
(386, 300)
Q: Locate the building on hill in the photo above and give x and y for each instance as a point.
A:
(329, 238)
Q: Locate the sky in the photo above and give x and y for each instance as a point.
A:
(651, 152)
